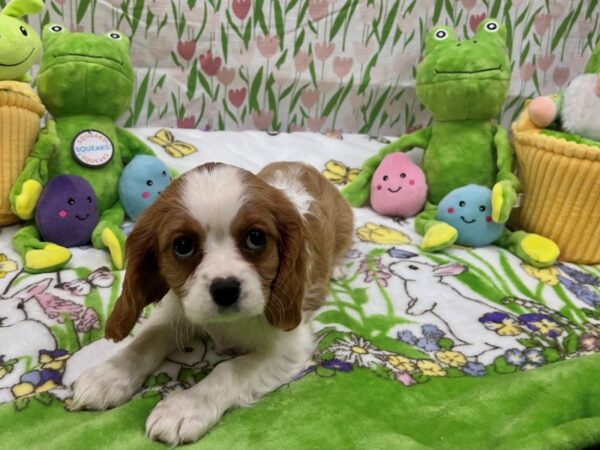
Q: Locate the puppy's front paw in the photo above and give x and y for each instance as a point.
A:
(180, 418)
(103, 387)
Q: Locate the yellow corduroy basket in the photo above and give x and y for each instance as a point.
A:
(20, 114)
(561, 186)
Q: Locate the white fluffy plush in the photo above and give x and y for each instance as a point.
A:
(581, 107)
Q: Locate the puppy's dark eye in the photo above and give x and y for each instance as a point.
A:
(71, 201)
(482, 208)
(413, 267)
(184, 247)
(461, 204)
(256, 240)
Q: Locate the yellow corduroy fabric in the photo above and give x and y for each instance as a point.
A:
(561, 185)
(20, 114)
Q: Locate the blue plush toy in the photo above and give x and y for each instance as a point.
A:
(469, 210)
(142, 181)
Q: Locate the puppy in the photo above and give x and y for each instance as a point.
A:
(243, 258)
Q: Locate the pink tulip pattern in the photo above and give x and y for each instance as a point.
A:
(301, 65)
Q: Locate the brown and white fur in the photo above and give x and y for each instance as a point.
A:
(307, 227)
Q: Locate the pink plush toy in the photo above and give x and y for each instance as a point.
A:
(398, 187)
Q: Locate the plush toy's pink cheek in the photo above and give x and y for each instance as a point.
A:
(450, 210)
(411, 182)
(62, 214)
(488, 218)
(378, 187)
(146, 194)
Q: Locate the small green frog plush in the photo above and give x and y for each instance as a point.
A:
(86, 82)
(20, 45)
(464, 84)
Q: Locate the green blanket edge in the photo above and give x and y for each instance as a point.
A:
(554, 407)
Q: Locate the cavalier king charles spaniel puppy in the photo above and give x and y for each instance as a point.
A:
(243, 258)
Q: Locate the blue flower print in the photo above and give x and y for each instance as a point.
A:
(527, 360)
(541, 323)
(407, 337)
(474, 369)
(337, 365)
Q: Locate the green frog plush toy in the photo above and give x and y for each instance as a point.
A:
(86, 83)
(464, 84)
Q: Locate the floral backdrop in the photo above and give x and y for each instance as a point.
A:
(317, 65)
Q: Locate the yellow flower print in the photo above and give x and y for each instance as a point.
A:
(338, 173)
(6, 265)
(548, 327)
(508, 328)
(53, 360)
(451, 358)
(36, 381)
(431, 368)
(22, 389)
(548, 276)
(401, 363)
(380, 234)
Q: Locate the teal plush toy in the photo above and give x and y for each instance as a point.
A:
(86, 82)
(463, 84)
(469, 210)
(142, 181)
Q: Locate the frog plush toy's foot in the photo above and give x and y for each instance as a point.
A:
(538, 251)
(533, 249)
(439, 237)
(110, 237)
(50, 258)
(115, 247)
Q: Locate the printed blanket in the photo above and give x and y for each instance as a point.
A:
(462, 349)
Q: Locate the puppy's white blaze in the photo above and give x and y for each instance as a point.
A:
(222, 259)
(289, 182)
(214, 197)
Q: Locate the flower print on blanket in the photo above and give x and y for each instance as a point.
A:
(397, 313)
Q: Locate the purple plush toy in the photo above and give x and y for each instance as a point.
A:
(67, 213)
(398, 187)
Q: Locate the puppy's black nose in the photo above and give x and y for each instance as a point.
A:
(225, 291)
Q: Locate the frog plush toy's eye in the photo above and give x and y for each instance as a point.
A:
(440, 34)
(115, 35)
(492, 26)
(56, 28)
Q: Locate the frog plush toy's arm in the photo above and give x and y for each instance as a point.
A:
(28, 187)
(504, 192)
(357, 192)
(131, 146)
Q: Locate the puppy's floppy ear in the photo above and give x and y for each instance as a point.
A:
(143, 283)
(284, 308)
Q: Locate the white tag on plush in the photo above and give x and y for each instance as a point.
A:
(519, 201)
